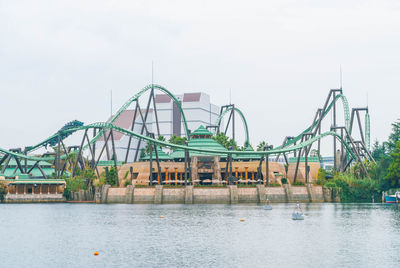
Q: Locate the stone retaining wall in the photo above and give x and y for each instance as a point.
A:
(34, 198)
(215, 195)
(190, 195)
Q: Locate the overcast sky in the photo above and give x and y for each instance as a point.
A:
(60, 59)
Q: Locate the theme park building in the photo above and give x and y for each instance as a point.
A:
(212, 169)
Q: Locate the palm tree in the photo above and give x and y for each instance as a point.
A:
(261, 145)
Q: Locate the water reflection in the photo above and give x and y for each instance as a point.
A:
(66, 235)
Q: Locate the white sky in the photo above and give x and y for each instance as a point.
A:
(59, 60)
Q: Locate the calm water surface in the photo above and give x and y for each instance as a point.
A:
(66, 235)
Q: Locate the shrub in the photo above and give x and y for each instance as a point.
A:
(298, 183)
(3, 192)
(284, 181)
(355, 189)
(74, 184)
(112, 177)
(330, 184)
(321, 177)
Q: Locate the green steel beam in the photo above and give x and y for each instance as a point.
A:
(108, 126)
(247, 141)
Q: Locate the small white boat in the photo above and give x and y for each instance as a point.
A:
(267, 206)
(297, 214)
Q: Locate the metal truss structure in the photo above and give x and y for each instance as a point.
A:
(84, 155)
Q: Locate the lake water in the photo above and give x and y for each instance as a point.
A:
(67, 235)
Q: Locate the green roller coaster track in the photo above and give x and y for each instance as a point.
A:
(108, 126)
(367, 131)
(288, 147)
(247, 140)
(122, 109)
(327, 110)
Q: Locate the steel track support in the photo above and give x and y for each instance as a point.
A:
(132, 128)
(114, 155)
(79, 154)
(93, 161)
(144, 123)
(155, 112)
(151, 164)
(104, 146)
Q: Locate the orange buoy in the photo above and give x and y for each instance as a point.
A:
(161, 216)
(96, 253)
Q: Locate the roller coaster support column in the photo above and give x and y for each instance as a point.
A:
(94, 146)
(132, 128)
(6, 156)
(187, 164)
(334, 138)
(144, 120)
(319, 130)
(26, 160)
(157, 159)
(114, 155)
(67, 159)
(228, 168)
(151, 164)
(304, 137)
(266, 148)
(106, 137)
(356, 112)
(354, 147)
(332, 93)
(79, 154)
(93, 154)
(58, 158)
(155, 110)
(233, 122)
(287, 138)
(259, 177)
(231, 117)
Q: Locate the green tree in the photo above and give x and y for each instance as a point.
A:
(393, 175)
(112, 177)
(225, 141)
(177, 140)
(321, 177)
(261, 145)
(147, 147)
(394, 136)
(378, 150)
(3, 192)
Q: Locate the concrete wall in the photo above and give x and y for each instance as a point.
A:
(34, 198)
(217, 195)
(190, 195)
(211, 195)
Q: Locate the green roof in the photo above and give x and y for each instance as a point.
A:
(29, 163)
(9, 172)
(161, 155)
(37, 181)
(310, 159)
(203, 143)
(247, 156)
(108, 163)
(202, 131)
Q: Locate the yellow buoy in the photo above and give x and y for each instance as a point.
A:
(241, 219)
(96, 253)
(161, 216)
